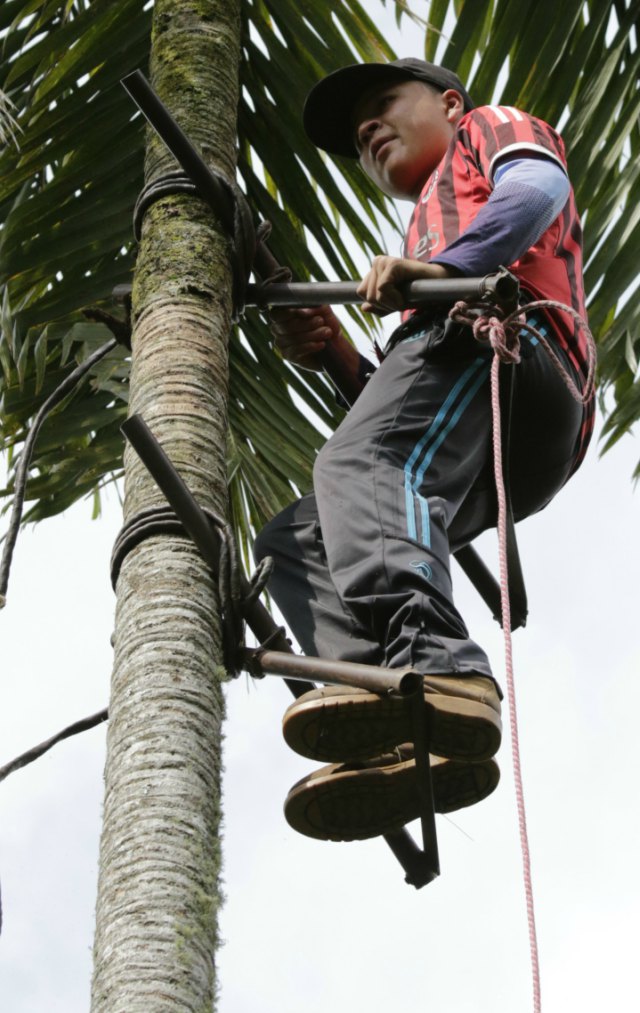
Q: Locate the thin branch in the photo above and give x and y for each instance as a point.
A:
(33, 754)
(22, 470)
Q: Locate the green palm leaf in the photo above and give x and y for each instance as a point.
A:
(68, 187)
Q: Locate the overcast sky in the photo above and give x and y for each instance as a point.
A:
(333, 927)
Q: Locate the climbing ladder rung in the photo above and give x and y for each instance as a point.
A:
(338, 673)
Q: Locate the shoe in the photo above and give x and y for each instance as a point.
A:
(340, 723)
(355, 801)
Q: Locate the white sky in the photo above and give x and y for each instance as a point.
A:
(328, 926)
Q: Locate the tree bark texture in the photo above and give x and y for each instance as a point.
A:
(160, 855)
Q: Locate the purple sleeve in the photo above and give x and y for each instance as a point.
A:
(528, 196)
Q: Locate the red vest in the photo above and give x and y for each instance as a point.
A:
(461, 185)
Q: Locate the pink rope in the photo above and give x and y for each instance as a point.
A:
(504, 337)
(513, 715)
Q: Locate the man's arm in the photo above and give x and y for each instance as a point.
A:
(528, 196)
(302, 335)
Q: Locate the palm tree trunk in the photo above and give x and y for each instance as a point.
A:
(160, 853)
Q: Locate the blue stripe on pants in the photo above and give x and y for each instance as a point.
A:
(435, 435)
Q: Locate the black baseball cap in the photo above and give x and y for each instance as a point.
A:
(328, 111)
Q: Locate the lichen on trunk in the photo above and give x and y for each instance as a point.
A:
(160, 853)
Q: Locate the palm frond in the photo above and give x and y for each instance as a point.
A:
(67, 194)
(8, 125)
(66, 203)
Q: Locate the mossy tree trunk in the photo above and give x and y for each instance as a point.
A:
(160, 852)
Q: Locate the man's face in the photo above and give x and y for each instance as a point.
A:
(402, 131)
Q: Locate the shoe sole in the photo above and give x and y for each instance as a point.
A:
(357, 805)
(341, 728)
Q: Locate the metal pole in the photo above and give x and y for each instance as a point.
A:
(196, 524)
(405, 681)
(501, 285)
(157, 114)
(186, 154)
(417, 868)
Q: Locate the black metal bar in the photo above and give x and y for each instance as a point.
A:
(488, 587)
(411, 858)
(500, 285)
(174, 488)
(186, 154)
(420, 721)
(417, 293)
(340, 673)
(157, 114)
(198, 527)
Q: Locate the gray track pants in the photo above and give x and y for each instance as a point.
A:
(362, 563)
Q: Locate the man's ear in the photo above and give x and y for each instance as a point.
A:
(453, 104)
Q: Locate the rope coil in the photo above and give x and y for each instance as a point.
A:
(236, 593)
(243, 241)
(491, 326)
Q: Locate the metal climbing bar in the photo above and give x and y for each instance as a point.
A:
(157, 114)
(420, 867)
(500, 286)
(339, 673)
(197, 526)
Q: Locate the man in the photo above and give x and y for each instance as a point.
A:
(362, 563)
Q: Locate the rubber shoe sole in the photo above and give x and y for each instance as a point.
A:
(339, 723)
(353, 802)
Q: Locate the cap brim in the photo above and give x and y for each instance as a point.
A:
(328, 115)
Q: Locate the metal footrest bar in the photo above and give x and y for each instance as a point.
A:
(405, 681)
(421, 867)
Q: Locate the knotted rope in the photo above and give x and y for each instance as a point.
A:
(503, 335)
(489, 326)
